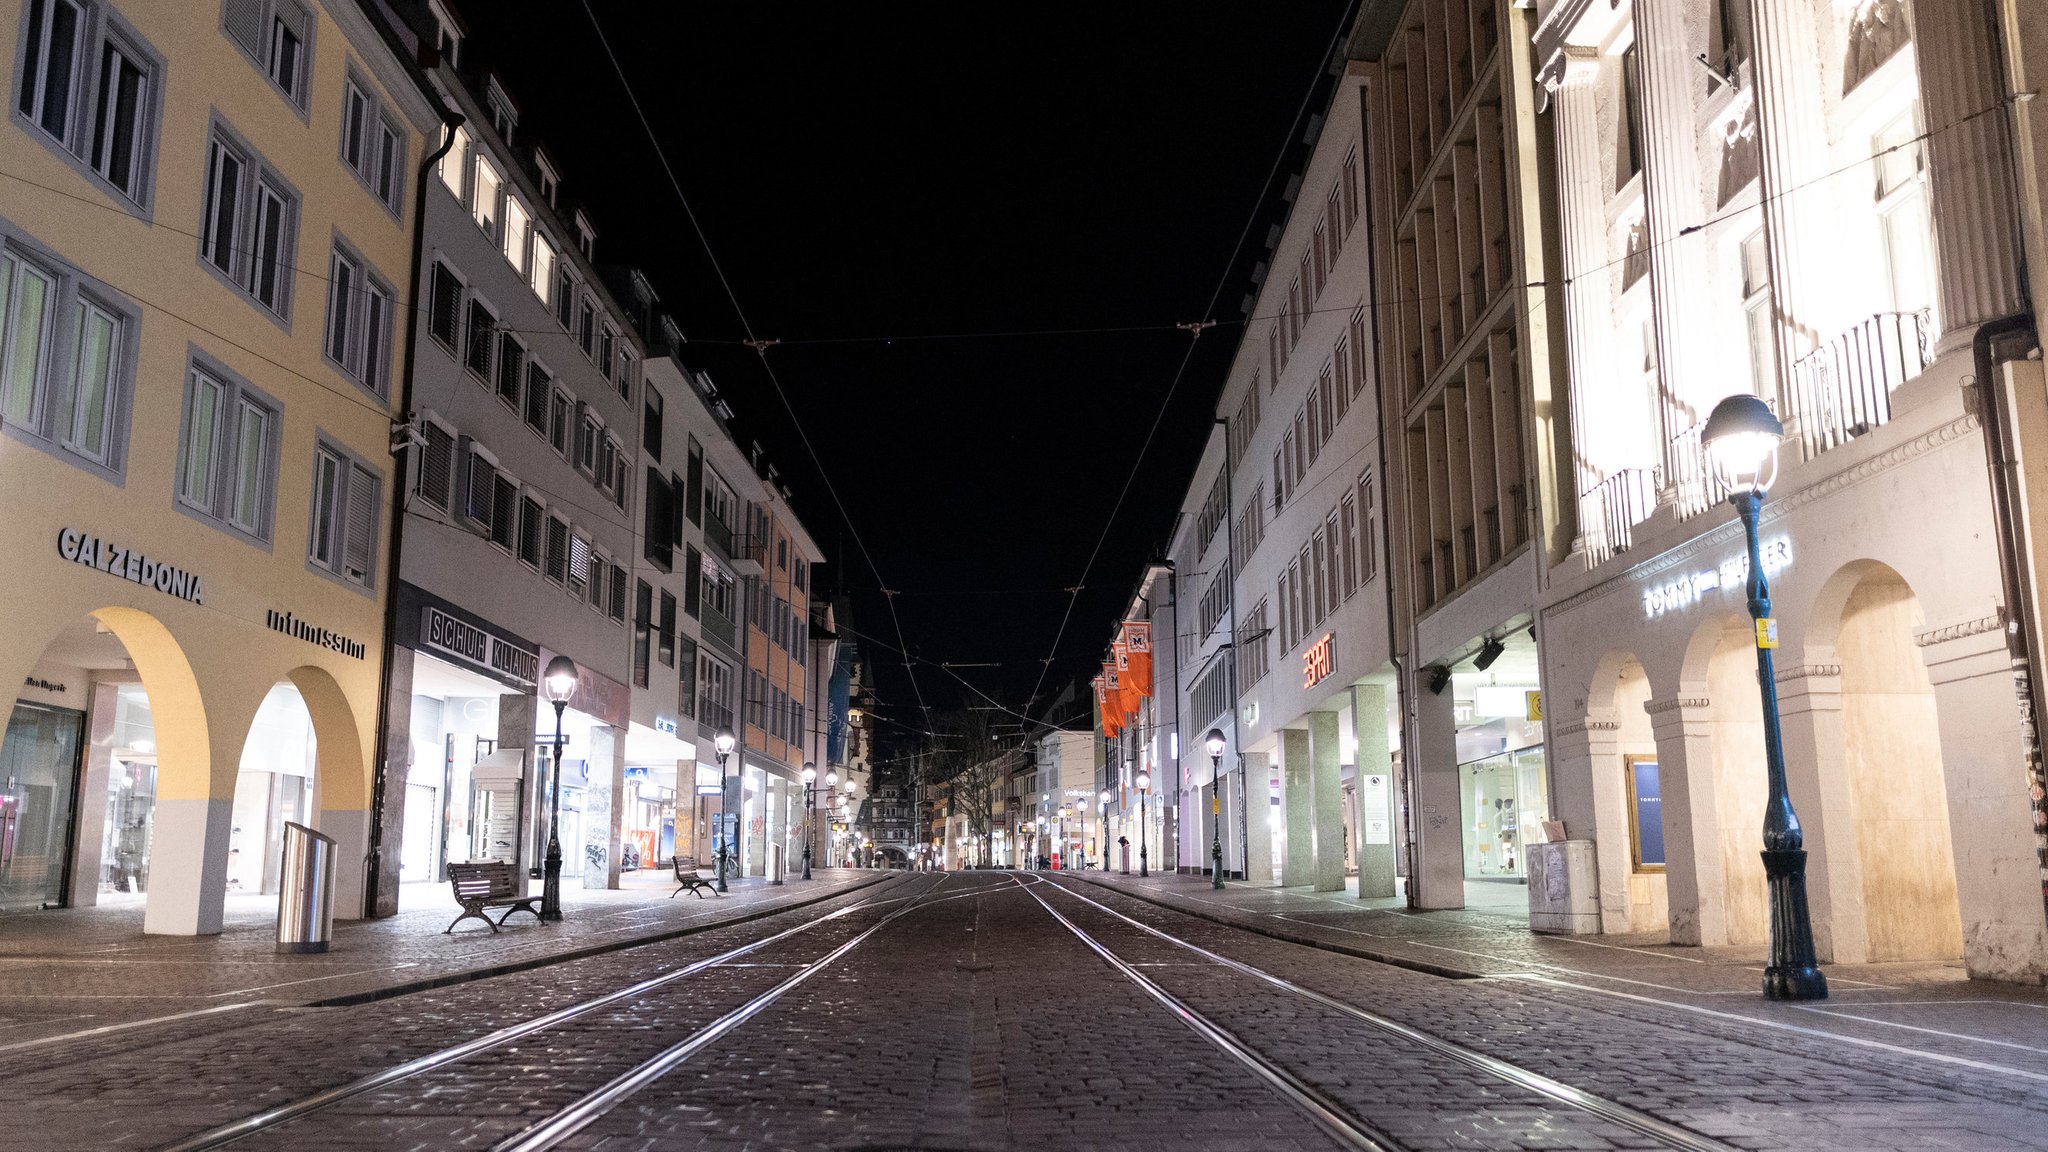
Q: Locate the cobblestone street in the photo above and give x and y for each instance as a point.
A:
(999, 1010)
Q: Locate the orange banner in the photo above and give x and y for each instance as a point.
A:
(1138, 652)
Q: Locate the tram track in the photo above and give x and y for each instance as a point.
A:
(586, 1012)
(1342, 1119)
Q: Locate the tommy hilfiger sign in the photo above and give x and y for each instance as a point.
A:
(128, 564)
(291, 625)
(466, 641)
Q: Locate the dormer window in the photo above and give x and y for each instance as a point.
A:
(586, 237)
(504, 114)
(549, 178)
(447, 33)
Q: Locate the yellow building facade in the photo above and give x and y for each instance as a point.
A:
(206, 211)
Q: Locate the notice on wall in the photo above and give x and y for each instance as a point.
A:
(1373, 793)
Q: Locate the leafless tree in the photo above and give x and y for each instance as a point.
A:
(967, 769)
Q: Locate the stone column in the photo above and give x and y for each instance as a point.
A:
(1684, 730)
(1582, 220)
(1817, 780)
(1299, 822)
(397, 766)
(91, 802)
(1326, 802)
(1976, 230)
(518, 712)
(1375, 820)
(1792, 148)
(1672, 204)
(604, 827)
(1258, 818)
(1439, 866)
(1998, 870)
(1587, 778)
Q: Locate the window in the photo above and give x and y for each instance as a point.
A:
(556, 567)
(540, 274)
(505, 513)
(693, 582)
(607, 345)
(1630, 145)
(511, 368)
(540, 391)
(444, 305)
(1369, 530)
(483, 203)
(530, 531)
(643, 607)
(436, 483)
(686, 676)
(1756, 311)
(665, 631)
(586, 325)
(588, 432)
(119, 109)
(228, 454)
(49, 71)
(371, 145)
(344, 520)
(579, 565)
(650, 427)
(90, 87)
(615, 600)
(247, 222)
(274, 33)
(600, 580)
(483, 340)
(454, 164)
(359, 308)
(560, 411)
(565, 298)
(64, 365)
(514, 243)
(1901, 203)
(658, 534)
(479, 485)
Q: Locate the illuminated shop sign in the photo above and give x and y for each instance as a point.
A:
(1319, 661)
(1681, 593)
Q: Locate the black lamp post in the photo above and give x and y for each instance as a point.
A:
(1144, 826)
(810, 812)
(724, 742)
(1066, 857)
(559, 683)
(1102, 827)
(1214, 742)
(1741, 438)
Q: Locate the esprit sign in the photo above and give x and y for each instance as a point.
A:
(1319, 661)
(1685, 591)
(128, 564)
(467, 642)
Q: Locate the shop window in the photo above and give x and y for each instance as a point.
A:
(227, 470)
(1645, 813)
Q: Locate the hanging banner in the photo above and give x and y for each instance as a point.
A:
(1138, 650)
(1112, 701)
(1127, 697)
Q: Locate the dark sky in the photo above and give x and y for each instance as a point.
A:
(868, 174)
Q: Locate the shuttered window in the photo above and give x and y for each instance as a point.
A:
(343, 536)
(530, 516)
(617, 600)
(557, 568)
(437, 466)
(693, 581)
(480, 489)
(511, 369)
(539, 391)
(505, 512)
(444, 307)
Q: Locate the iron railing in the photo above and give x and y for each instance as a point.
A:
(1844, 388)
(1698, 487)
(1610, 511)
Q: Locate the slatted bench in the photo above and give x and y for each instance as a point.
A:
(487, 884)
(687, 878)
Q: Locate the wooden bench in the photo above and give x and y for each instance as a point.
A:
(487, 884)
(687, 878)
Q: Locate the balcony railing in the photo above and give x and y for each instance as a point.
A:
(1698, 487)
(719, 533)
(1844, 388)
(1612, 509)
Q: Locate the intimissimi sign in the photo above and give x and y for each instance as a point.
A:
(291, 625)
(128, 564)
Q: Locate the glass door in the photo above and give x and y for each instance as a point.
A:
(38, 786)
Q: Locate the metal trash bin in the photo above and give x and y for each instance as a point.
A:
(305, 896)
(776, 865)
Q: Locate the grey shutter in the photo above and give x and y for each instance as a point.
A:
(693, 500)
(437, 467)
(243, 20)
(505, 512)
(480, 493)
(618, 597)
(359, 542)
(693, 581)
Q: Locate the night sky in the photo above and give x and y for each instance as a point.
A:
(890, 187)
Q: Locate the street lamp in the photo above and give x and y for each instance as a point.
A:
(1144, 828)
(1102, 826)
(724, 742)
(1741, 440)
(810, 811)
(1214, 742)
(558, 683)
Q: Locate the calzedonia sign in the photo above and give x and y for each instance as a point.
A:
(106, 556)
(474, 645)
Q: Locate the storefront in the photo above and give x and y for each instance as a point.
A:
(40, 764)
(1503, 795)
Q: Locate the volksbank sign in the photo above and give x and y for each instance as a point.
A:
(474, 645)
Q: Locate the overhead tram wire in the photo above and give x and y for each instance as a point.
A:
(1195, 335)
(760, 346)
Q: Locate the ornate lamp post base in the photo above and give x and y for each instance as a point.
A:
(1792, 974)
(551, 885)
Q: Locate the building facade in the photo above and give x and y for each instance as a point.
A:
(199, 628)
(518, 541)
(1820, 216)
